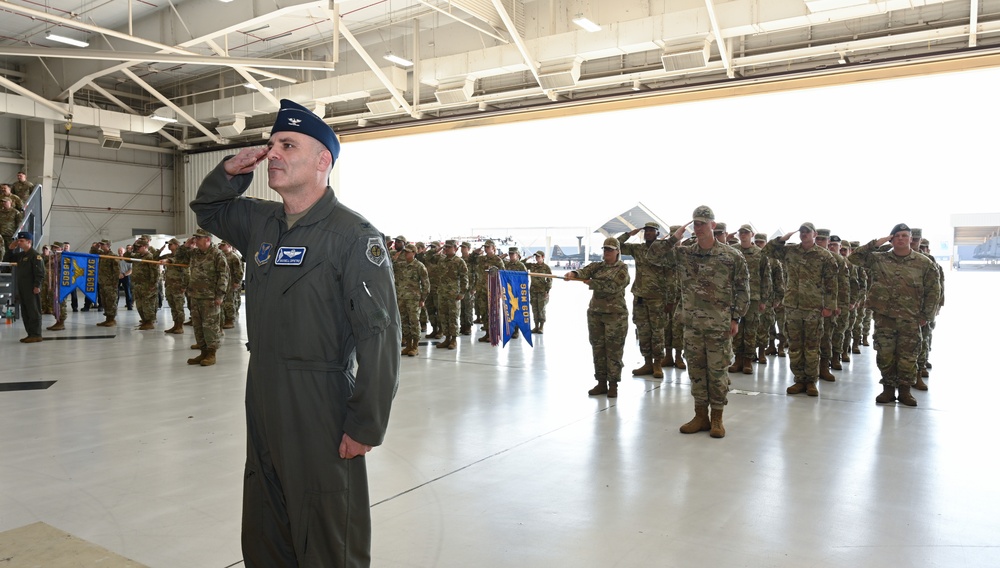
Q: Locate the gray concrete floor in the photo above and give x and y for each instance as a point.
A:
(497, 457)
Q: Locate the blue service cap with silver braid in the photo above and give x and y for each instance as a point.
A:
(294, 117)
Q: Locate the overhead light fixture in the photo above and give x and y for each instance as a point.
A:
(827, 5)
(586, 24)
(253, 87)
(163, 118)
(397, 59)
(67, 40)
(225, 1)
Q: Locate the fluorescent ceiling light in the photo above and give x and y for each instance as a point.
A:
(225, 1)
(825, 5)
(586, 24)
(253, 87)
(67, 40)
(398, 60)
(163, 118)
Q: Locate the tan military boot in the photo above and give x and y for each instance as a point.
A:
(667, 360)
(737, 365)
(771, 349)
(657, 368)
(612, 389)
(718, 430)
(812, 389)
(58, 326)
(679, 361)
(761, 356)
(824, 371)
(888, 395)
(197, 360)
(645, 369)
(699, 423)
(541, 328)
(450, 342)
(146, 326)
(228, 325)
(600, 388)
(845, 356)
(797, 388)
(747, 368)
(864, 340)
(856, 346)
(405, 350)
(835, 363)
(905, 397)
(209, 359)
(921, 385)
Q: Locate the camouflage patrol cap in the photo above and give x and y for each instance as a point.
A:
(719, 228)
(451, 243)
(420, 244)
(925, 243)
(704, 214)
(855, 244)
(105, 242)
(173, 241)
(651, 225)
(513, 250)
(760, 237)
(916, 233)
(899, 227)
(673, 228)
(433, 245)
(7, 199)
(745, 227)
(489, 243)
(410, 248)
(834, 239)
(141, 243)
(540, 253)
(611, 243)
(807, 226)
(55, 244)
(202, 233)
(466, 244)
(822, 233)
(400, 238)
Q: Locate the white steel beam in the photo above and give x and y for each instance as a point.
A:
(518, 41)
(149, 89)
(393, 91)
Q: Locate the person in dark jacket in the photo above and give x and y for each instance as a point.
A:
(28, 277)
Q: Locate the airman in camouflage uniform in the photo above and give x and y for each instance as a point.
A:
(453, 285)
(208, 285)
(673, 328)
(715, 289)
(175, 280)
(745, 341)
(145, 279)
(46, 293)
(539, 290)
(10, 220)
(231, 305)
(468, 301)
(607, 316)
(922, 245)
(850, 313)
(484, 263)
(649, 295)
(810, 300)
(905, 296)
(827, 352)
(15, 201)
(22, 187)
(412, 286)
(513, 262)
(53, 271)
(767, 335)
(431, 257)
(107, 284)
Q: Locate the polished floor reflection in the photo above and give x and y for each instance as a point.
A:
(497, 457)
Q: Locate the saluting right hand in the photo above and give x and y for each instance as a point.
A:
(246, 161)
(787, 236)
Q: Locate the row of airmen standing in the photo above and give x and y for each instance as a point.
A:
(446, 285)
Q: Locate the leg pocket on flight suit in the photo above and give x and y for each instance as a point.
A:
(325, 518)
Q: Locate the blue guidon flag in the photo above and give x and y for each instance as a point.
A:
(78, 270)
(515, 311)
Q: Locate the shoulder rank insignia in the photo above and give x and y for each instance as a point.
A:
(290, 256)
(263, 254)
(375, 251)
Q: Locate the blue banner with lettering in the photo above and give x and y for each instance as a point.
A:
(78, 270)
(514, 304)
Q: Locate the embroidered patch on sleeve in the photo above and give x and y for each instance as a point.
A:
(375, 251)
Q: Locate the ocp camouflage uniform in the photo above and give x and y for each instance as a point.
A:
(715, 290)
(905, 292)
(673, 329)
(412, 287)
(776, 329)
(927, 331)
(145, 281)
(230, 305)
(107, 286)
(649, 294)
(430, 312)
(745, 342)
(208, 282)
(538, 293)
(10, 220)
(53, 272)
(453, 281)
(175, 279)
(850, 315)
(22, 189)
(833, 328)
(468, 300)
(46, 292)
(859, 335)
(810, 287)
(607, 317)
